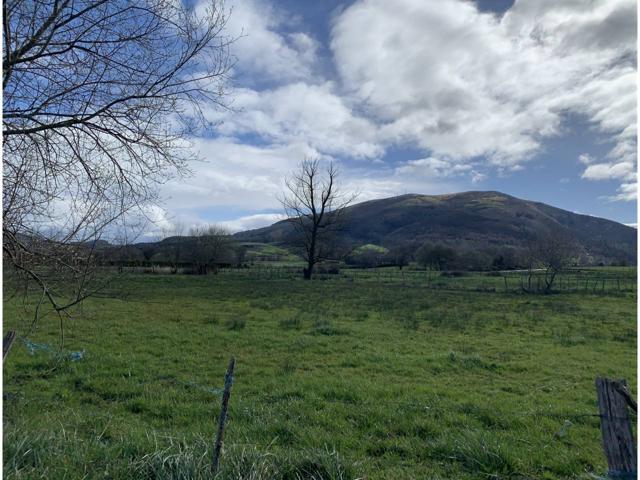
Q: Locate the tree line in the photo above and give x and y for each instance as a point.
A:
(549, 252)
(202, 250)
(441, 256)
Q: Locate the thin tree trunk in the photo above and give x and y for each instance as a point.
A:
(307, 272)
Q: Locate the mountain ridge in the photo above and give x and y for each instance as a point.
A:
(485, 220)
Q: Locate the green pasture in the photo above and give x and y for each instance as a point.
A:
(336, 378)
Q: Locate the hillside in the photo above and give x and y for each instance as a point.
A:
(480, 221)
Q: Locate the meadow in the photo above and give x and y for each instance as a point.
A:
(335, 379)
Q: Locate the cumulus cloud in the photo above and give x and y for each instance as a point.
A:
(158, 217)
(464, 84)
(476, 92)
(301, 112)
(263, 49)
(626, 192)
(235, 174)
(606, 171)
(432, 167)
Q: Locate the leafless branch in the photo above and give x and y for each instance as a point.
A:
(316, 208)
(98, 98)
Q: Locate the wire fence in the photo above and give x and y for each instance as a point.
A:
(587, 280)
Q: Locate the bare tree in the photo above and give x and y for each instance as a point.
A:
(553, 251)
(173, 245)
(437, 257)
(402, 254)
(213, 246)
(315, 207)
(97, 95)
(240, 252)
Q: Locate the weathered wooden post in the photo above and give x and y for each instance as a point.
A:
(617, 437)
(228, 381)
(7, 341)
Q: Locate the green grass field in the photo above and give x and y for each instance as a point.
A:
(335, 379)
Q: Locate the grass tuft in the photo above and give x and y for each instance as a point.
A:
(291, 323)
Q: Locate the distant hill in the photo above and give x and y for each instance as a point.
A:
(480, 221)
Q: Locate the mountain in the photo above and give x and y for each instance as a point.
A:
(474, 221)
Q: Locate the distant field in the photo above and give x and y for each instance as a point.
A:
(342, 378)
(264, 253)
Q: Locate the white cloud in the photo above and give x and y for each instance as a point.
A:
(478, 177)
(394, 184)
(250, 222)
(465, 84)
(158, 217)
(586, 159)
(432, 167)
(263, 49)
(300, 112)
(234, 174)
(606, 171)
(626, 192)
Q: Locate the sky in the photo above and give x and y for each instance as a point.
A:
(533, 98)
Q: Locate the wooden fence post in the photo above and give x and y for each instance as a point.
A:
(617, 437)
(228, 381)
(7, 342)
